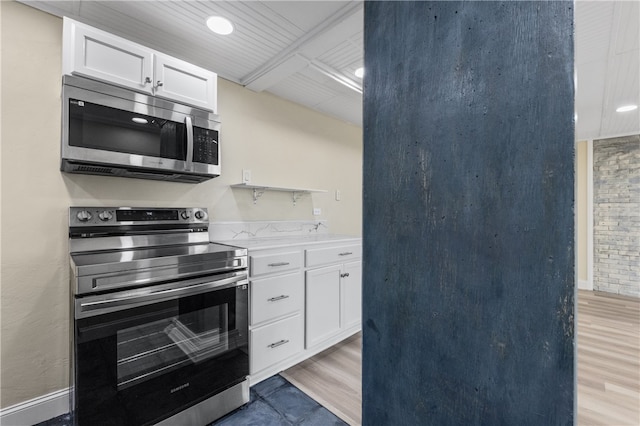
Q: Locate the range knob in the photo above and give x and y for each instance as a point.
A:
(83, 216)
(105, 216)
(185, 215)
(200, 215)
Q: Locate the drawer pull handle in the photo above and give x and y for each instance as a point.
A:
(276, 344)
(345, 253)
(346, 274)
(278, 264)
(275, 299)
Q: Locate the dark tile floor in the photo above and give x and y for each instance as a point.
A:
(274, 402)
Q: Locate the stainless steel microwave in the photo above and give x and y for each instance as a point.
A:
(108, 130)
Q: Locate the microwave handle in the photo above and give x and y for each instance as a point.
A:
(189, 124)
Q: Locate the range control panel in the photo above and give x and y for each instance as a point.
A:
(116, 216)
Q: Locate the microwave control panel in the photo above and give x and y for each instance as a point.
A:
(205, 146)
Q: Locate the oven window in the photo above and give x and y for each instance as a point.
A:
(110, 129)
(148, 350)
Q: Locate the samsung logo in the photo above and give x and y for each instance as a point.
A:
(179, 388)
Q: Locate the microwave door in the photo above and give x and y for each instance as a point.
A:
(109, 131)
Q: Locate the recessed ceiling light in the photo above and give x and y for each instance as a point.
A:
(139, 120)
(220, 25)
(626, 108)
(359, 72)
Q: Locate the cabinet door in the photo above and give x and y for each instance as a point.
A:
(351, 282)
(183, 82)
(100, 55)
(322, 304)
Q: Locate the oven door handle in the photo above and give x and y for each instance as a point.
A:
(134, 298)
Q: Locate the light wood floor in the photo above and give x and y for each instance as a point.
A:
(608, 370)
(608, 331)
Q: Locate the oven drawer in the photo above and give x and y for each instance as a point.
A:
(321, 256)
(276, 296)
(261, 264)
(276, 342)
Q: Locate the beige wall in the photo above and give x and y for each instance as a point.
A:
(581, 210)
(282, 143)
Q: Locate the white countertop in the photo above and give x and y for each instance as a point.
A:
(263, 243)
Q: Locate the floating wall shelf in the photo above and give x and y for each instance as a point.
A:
(258, 190)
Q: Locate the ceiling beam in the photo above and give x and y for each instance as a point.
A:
(306, 48)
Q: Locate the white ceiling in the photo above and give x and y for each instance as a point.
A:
(307, 51)
(607, 43)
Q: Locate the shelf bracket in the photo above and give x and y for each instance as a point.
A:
(257, 194)
(296, 196)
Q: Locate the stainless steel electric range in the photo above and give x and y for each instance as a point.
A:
(160, 330)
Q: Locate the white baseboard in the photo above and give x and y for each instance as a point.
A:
(36, 410)
(584, 285)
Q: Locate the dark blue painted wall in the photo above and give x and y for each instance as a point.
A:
(468, 214)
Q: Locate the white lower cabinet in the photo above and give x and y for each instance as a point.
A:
(276, 308)
(303, 300)
(351, 294)
(275, 342)
(333, 301)
(276, 296)
(322, 304)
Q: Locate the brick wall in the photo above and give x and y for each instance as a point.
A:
(616, 215)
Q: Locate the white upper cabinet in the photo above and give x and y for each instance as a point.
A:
(184, 82)
(94, 53)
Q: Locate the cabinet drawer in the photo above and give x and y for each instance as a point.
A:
(276, 296)
(276, 342)
(260, 264)
(322, 256)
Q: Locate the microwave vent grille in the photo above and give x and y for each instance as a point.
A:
(93, 169)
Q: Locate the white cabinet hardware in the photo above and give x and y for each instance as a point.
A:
(279, 343)
(275, 299)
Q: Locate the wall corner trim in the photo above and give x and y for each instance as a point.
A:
(589, 216)
(36, 410)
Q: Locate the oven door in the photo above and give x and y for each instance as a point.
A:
(146, 354)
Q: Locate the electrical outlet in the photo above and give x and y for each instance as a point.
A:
(317, 211)
(246, 176)
(337, 195)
